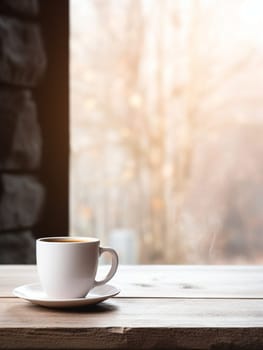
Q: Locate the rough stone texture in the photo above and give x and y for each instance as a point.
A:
(20, 143)
(24, 7)
(21, 199)
(17, 248)
(22, 57)
(22, 63)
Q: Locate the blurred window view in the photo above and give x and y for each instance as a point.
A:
(167, 128)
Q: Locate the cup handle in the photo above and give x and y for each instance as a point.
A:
(114, 265)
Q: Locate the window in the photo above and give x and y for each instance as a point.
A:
(167, 128)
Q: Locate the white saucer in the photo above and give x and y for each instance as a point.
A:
(35, 294)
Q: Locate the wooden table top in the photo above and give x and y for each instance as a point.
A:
(159, 307)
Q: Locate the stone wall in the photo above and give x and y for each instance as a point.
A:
(22, 65)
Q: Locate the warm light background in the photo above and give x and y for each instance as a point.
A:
(167, 128)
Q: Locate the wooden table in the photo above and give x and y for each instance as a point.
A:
(159, 307)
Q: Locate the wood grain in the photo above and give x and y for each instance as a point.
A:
(118, 312)
(133, 338)
(134, 324)
(163, 281)
(160, 307)
(15, 275)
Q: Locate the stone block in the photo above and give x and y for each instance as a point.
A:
(22, 56)
(23, 7)
(21, 200)
(20, 137)
(17, 248)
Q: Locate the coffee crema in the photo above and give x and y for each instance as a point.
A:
(65, 240)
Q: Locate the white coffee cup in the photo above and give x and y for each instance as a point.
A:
(67, 266)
